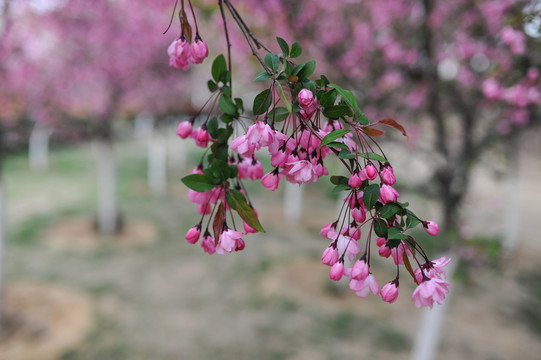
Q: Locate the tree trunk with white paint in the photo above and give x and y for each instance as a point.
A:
(428, 337)
(293, 202)
(38, 147)
(157, 164)
(107, 212)
(512, 200)
(143, 125)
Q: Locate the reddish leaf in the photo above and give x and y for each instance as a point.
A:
(408, 267)
(247, 214)
(394, 124)
(219, 220)
(372, 131)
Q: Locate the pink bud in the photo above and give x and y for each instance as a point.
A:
(371, 172)
(330, 256)
(202, 138)
(306, 98)
(355, 181)
(270, 181)
(199, 51)
(431, 228)
(337, 271)
(193, 234)
(387, 176)
(207, 243)
(184, 129)
(389, 292)
(388, 194)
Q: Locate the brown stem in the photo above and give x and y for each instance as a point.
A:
(220, 2)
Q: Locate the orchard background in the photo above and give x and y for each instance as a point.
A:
(95, 214)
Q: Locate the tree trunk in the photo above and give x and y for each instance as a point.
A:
(293, 202)
(157, 165)
(107, 213)
(38, 147)
(3, 223)
(512, 200)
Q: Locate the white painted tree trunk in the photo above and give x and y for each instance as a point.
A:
(107, 214)
(38, 147)
(143, 126)
(157, 165)
(3, 223)
(293, 202)
(177, 153)
(429, 336)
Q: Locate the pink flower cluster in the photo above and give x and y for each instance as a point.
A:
(200, 135)
(182, 53)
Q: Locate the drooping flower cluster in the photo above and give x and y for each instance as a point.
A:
(299, 129)
(182, 53)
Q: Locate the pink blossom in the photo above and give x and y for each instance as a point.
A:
(229, 240)
(193, 234)
(184, 129)
(431, 228)
(260, 134)
(179, 54)
(388, 194)
(329, 256)
(207, 243)
(371, 172)
(387, 176)
(492, 89)
(432, 269)
(348, 246)
(199, 51)
(270, 181)
(363, 287)
(515, 39)
(357, 178)
(242, 146)
(359, 214)
(299, 172)
(306, 98)
(429, 291)
(360, 270)
(389, 292)
(201, 137)
(327, 228)
(337, 271)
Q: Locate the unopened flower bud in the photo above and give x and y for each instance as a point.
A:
(389, 292)
(371, 172)
(184, 129)
(199, 51)
(387, 176)
(306, 98)
(337, 271)
(431, 228)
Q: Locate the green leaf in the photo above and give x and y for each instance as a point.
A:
(339, 188)
(218, 67)
(330, 137)
(338, 145)
(283, 97)
(371, 195)
(239, 104)
(278, 114)
(198, 182)
(212, 86)
(380, 227)
(307, 70)
(283, 45)
(328, 98)
(296, 50)
(227, 105)
(247, 213)
(324, 80)
(346, 154)
(388, 210)
(394, 233)
(297, 69)
(334, 112)
(337, 180)
(272, 61)
(411, 220)
(349, 98)
(262, 102)
(263, 76)
(212, 127)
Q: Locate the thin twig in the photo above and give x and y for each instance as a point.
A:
(220, 2)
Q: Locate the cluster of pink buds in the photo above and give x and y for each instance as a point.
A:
(200, 135)
(182, 53)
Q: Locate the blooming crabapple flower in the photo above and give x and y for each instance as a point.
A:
(371, 172)
(432, 269)
(388, 194)
(360, 270)
(327, 228)
(270, 180)
(363, 287)
(515, 39)
(199, 51)
(260, 134)
(242, 146)
(229, 241)
(355, 231)
(492, 89)
(306, 98)
(347, 245)
(250, 168)
(337, 271)
(431, 228)
(179, 54)
(193, 234)
(300, 172)
(207, 243)
(184, 129)
(387, 176)
(389, 292)
(429, 291)
(329, 256)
